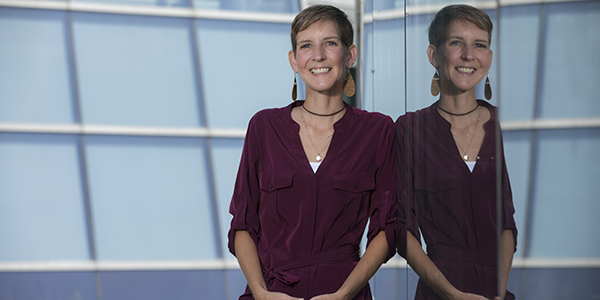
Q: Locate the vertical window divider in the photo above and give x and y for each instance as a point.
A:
(529, 201)
(82, 155)
(214, 203)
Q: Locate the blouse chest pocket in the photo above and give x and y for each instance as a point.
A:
(354, 194)
(277, 205)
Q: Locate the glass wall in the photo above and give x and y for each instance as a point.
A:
(549, 118)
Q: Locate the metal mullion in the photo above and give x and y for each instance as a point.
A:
(529, 204)
(208, 152)
(83, 156)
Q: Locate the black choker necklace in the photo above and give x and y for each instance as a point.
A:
(324, 115)
(458, 115)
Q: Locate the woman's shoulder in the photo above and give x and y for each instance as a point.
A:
(413, 116)
(372, 116)
(269, 113)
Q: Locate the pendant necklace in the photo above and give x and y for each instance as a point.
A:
(466, 157)
(318, 158)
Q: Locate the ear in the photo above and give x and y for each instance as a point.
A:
(293, 62)
(432, 55)
(352, 53)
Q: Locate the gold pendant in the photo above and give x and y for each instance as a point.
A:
(318, 158)
(465, 157)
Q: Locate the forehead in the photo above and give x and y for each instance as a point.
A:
(320, 29)
(466, 29)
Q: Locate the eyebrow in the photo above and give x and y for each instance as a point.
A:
(460, 38)
(325, 39)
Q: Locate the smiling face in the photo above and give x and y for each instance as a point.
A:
(463, 59)
(321, 59)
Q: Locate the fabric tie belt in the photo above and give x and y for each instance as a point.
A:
(334, 256)
(459, 255)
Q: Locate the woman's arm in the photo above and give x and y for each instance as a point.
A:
(507, 248)
(374, 256)
(430, 273)
(247, 255)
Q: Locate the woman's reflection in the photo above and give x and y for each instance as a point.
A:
(447, 163)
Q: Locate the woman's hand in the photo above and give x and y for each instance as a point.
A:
(266, 295)
(468, 296)
(327, 297)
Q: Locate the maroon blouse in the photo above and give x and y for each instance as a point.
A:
(454, 209)
(308, 226)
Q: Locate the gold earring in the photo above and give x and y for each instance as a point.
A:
(488, 88)
(435, 84)
(295, 89)
(349, 86)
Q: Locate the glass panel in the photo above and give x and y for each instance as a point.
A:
(271, 6)
(566, 187)
(136, 70)
(150, 198)
(47, 285)
(169, 3)
(226, 154)
(384, 89)
(161, 285)
(384, 70)
(253, 52)
(576, 83)
(518, 48)
(42, 215)
(35, 76)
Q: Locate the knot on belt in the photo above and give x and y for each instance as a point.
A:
(333, 256)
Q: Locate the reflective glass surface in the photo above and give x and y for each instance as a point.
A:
(136, 70)
(150, 198)
(35, 68)
(42, 212)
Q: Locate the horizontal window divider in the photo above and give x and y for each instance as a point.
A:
(240, 133)
(550, 124)
(82, 266)
(151, 11)
(434, 8)
(123, 130)
(229, 264)
(558, 263)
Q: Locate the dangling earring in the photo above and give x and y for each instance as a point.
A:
(295, 89)
(435, 84)
(488, 88)
(349, 86)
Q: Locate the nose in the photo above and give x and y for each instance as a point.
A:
(468, 53)
(319, 54)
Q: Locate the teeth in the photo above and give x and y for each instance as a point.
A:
(466, 70)
(319, 71)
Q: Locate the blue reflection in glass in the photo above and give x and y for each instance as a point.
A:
(150, 198)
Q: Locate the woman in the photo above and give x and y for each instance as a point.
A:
(311, 175)
(450, 156)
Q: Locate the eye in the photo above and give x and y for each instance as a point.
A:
(305, 46)
(454, 43)
(481, 45)
(330, 43)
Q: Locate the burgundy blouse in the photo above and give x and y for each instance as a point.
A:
(308, 226)
(454, 209)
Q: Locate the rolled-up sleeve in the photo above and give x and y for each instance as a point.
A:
(406, 211)
(245, 199)
(383, 201)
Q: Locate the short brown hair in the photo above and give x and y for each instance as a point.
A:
(438, 29)
(321, 13)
